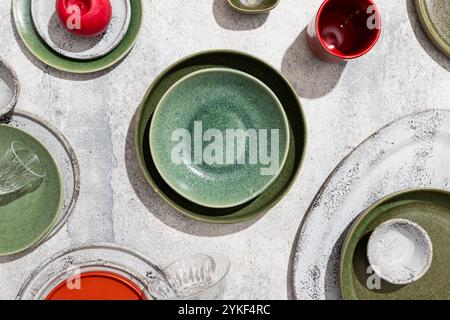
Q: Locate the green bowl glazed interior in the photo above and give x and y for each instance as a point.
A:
(224, 104)
(261, 6)
(25, 28)
(434, 16)
(25, 220)
(428, 208)
(258, 69)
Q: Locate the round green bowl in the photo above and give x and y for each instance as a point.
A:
(264, 7)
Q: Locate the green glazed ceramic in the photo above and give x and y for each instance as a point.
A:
(430, 209)
(260, 70)
(37, 46)
(259, 6)
(226, 101)
(435, 18)
(26, 220)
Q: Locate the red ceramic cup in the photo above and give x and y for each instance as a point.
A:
(344, 29)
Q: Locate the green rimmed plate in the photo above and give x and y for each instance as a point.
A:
(220, 102)
(260, 70)
(428, 208)
(263, 7)
(435, 18)
(27, 220)
(37, 46)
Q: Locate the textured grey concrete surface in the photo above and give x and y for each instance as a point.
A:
(344, 104)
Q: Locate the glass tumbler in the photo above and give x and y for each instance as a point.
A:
(21, 170)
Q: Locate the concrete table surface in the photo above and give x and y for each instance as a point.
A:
(344, 104)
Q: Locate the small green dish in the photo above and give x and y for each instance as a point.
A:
(259, 8)
(260, 70)
(224, 103)
(428, 208)
(25, 27)
(26, 221)
(434, 16)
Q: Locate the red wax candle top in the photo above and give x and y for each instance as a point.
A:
(97, 286)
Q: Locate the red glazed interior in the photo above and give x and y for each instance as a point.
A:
(84, 5)
(342, 27)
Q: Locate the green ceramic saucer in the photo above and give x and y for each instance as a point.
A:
(229, 102)
(27, 220)
(282, 89)
(34, 43)
(428, 208)
(262, 7)
(434, 16)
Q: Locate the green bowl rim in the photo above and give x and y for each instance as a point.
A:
(254, 11)
(81, 62)
(349, 236)
(141, 161)
(251, 78)
(49, 229)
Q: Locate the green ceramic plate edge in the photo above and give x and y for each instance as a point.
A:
(61, 199)
(358, 226)
(22, 18)
(280, 109)
(429, 28)
(253, 10)
(154, 186)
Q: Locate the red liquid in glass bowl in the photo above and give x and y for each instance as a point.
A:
(98, 285)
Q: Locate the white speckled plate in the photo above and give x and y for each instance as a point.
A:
(413, 152)
(56, 37)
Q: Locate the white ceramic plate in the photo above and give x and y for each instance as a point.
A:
(56, 37)
(413, 152)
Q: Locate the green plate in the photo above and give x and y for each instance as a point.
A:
(428, 208)
(260, 70)
(265, 6)
(37, 46)
(221, 100)
(435, 18)
(27, 220)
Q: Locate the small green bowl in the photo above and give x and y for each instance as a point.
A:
(221, 102)
(264, 7)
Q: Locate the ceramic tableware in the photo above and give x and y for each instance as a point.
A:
(344, 29)
(434, 16)
(253, 6)
(428, 208)
(31, 39)
(411, 152)
(28, 218)
(223, 172)
(9, 88)
(69, 45)
(400, 251)
(255, 67)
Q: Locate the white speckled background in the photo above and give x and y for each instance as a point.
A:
(344, 105)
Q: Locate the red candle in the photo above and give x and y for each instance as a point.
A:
(98, 285)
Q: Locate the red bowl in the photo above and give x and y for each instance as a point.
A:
(85, 18)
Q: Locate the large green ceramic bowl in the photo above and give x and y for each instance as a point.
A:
(428, 208)
(219, 137)
(435, 18)
(26, 220)
(25, 28)
(260, 70)
(263, 7)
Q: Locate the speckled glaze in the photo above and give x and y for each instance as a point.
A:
(400, 251)
(9, 88)
(29, 218)
(25, 28)
(282, 89)
(69, 45)
(220, 99)
(428, 208)
(434, 16)
(265, 6)
(412, 152)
